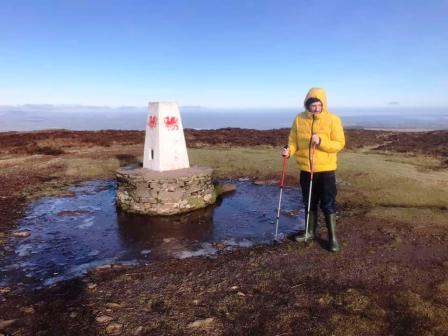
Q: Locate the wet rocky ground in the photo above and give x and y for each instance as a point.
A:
(389, 278)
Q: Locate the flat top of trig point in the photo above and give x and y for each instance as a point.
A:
(163, 103)
(152, 174)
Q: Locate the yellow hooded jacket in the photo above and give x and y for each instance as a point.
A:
(327, 126)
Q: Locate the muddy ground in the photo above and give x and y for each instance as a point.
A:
(389, 279)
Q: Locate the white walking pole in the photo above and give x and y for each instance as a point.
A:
(281, 192)
(309, 193)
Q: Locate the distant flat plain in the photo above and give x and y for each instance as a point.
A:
(35, 118)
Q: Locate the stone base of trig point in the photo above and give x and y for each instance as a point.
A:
(150, 192)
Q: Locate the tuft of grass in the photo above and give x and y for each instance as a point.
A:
(371, 179)
(47, 150)
(380, 181)
(43, 148)
(256, 162)
(418, 217)
(419, 315)
(128, 159)
(351, 325)
(442, 293)
(411, 189)
(90, 168)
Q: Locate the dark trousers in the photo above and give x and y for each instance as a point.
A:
(324, 191)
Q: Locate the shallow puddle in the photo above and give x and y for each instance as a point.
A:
(74, 233)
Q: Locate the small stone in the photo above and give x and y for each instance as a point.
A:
(114, 328)
(103, 267)
(22, 234)
(234, 288)
(206, 323)
(118, 266)
(5, 290)
(196, 302)
(91, 286)
(113, 305)
(68, 194)
(27, 310)
(104, 319)
(325, 300)
(220, 246)
(138, 331)
(240, 294)
(6, 323)
(227, 187)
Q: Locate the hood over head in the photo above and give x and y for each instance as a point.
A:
(318, 93)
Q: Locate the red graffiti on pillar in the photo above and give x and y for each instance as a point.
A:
(152, 122)
(171, 123)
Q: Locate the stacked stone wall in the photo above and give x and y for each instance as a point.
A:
(149, 192)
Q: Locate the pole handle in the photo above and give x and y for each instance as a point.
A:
(285, 158)
(282, 182)
(313, 156)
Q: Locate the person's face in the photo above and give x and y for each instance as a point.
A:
(315, 107)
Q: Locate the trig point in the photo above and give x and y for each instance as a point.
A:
(165, 147)
(166, 185)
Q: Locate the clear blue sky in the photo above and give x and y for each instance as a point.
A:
(223, 53)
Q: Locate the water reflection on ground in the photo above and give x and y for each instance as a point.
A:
(71, 234)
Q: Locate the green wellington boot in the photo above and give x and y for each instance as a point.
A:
(330, 220)
(312, 228)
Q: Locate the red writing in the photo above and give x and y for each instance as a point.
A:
(152, 121)
(171, 123)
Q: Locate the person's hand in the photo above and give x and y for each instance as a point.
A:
(315, 140)
(285, 151)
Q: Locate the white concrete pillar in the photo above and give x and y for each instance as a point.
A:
(165, 147)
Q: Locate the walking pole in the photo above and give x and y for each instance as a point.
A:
(285, 158)
(309, 192)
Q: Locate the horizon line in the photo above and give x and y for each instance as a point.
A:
(391, 106)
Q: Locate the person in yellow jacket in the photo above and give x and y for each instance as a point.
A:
(322, 129)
